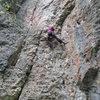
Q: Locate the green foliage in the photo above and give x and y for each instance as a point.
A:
(18, 5)
(7, 6)
(10, 6)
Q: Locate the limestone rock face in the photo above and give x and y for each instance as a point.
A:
(11, 37)
(30, 70)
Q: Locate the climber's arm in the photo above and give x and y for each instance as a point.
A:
(59, 40)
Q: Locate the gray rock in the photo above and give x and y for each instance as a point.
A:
(30, 70)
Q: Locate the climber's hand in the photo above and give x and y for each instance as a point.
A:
(64, 42)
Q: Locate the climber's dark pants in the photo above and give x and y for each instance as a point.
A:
(49, 39)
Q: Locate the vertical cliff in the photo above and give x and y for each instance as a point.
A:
(30, 70)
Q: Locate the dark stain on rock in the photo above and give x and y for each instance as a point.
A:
(88, 80)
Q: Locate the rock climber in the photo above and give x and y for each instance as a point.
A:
(51, 35)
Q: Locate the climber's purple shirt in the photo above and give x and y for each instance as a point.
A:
(50, 28)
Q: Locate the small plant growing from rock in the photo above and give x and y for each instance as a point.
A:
(10, 5)
(7, 6)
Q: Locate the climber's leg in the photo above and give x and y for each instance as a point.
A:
(49, 43)
(59, 40)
